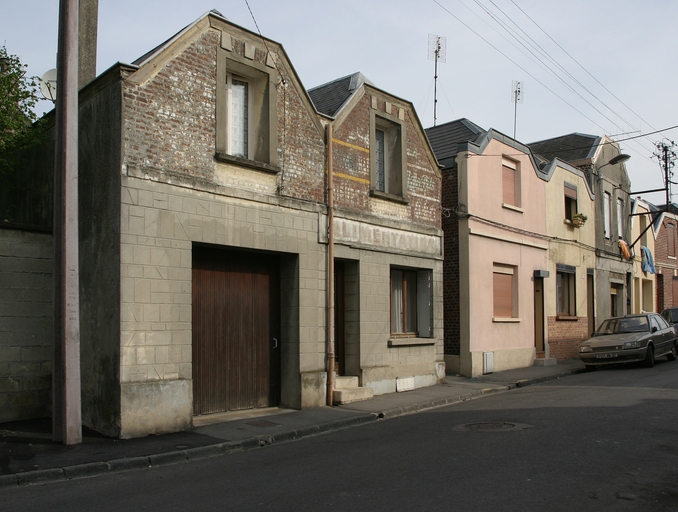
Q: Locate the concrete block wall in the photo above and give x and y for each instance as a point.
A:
(159, 224)
(380, 363)
(26, 330)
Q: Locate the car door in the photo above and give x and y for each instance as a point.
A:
(662, 335)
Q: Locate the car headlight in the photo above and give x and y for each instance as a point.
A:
(585, 348)
(631, 344)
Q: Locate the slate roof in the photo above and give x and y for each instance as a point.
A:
(569, 148)
(445, 138)
(330, 97)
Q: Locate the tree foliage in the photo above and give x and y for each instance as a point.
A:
(25, 189)
(18, 97)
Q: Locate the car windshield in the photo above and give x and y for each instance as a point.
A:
(670, 315)
(622, 325)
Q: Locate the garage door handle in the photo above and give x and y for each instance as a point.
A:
(275, 343)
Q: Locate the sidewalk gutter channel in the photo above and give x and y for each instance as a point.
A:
(91, 469)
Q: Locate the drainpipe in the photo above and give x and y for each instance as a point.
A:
(330, 271)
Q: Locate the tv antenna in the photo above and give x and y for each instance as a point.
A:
(517, 95)
(48, 85)
(437, 51)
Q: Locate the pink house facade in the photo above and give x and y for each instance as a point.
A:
(494, 203)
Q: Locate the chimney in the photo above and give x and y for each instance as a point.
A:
(87, 41)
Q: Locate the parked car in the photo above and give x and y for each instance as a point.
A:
(671, 316)
(628, 339)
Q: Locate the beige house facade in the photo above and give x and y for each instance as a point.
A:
(645, 221)
(569, 289)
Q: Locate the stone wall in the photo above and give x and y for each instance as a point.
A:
(565, 337)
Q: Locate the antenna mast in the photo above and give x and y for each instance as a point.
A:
(437, 51)
(516, 97)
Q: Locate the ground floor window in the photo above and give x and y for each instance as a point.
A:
(565, 290)
(411, 302)
(504, 291)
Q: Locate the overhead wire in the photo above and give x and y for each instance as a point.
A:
(553, 72)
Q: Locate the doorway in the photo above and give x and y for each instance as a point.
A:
(539, 316)
(236, 330)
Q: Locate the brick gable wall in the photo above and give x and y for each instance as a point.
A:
(666, 267)
(352, 170)
(170, 122)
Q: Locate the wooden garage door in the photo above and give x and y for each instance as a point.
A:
(236, 318)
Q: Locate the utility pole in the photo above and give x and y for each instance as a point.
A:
(667, 159)
(66, 406)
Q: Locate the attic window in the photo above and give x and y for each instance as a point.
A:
(387, 157)
(246, 110)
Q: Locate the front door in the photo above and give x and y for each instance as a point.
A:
(339, 319)
(236, 324)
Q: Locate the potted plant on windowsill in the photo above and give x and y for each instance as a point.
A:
(578, 219)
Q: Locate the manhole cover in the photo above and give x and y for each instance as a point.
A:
(263, 424)
(492, 426)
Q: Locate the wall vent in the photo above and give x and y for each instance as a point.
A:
(488, 360)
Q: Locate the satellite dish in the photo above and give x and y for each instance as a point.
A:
(48, 85)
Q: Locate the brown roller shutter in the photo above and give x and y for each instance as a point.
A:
(509, 185)
(503, 295)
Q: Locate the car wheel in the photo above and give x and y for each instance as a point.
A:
(649, 357)
(671, 356)
(589, 367)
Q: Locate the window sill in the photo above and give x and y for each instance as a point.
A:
(512, 207)
(389, 197)
(259, 166)
(566, 318)
(500, 320)
(410, 342)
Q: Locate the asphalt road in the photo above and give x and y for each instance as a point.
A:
(606, 440)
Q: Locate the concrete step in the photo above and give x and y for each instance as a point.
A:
(346, 382)
(546, 361)
(347, 396)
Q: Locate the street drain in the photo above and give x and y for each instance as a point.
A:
(262, 424)
(492, 426)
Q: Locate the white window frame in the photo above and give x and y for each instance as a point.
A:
(607, 204)
(620, 218)
(230, 149)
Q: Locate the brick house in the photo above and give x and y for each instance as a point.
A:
(496, 246)
(388, 237)
(665, 260)
(204, 237)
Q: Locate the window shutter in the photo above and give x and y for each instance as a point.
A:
(503, 295)
(570, 191)
(509, 185)
(425, 303)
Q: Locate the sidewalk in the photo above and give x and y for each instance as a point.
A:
(28, 455)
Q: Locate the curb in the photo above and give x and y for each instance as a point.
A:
(90, 469)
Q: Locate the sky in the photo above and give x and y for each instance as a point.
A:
(601, 67)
